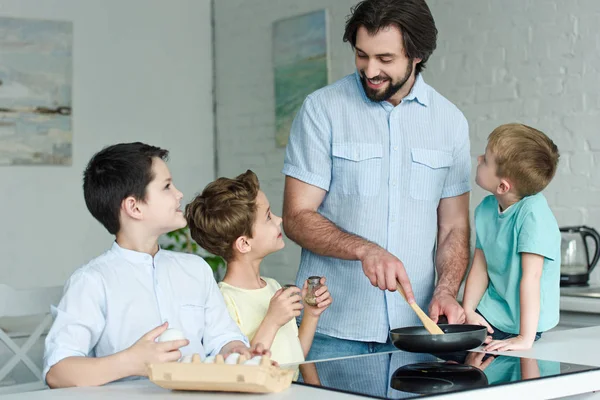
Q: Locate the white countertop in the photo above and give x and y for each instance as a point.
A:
(580, 304)
(578, 346)
(580, 299)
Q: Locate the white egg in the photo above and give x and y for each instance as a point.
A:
(186, 359)
(170, 334)
(254, 361)
(232, 358)
(209, 360)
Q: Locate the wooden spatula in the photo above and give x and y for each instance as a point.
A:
(427, 322)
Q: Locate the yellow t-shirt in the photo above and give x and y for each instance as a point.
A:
(248, 308)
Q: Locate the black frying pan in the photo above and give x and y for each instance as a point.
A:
(456, 337)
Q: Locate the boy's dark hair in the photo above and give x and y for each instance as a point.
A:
(115, 173)
(224, 211)
(412, 17)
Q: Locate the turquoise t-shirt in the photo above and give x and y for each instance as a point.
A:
(528, 226)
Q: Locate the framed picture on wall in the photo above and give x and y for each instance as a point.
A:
(35, 92)
(300, 62)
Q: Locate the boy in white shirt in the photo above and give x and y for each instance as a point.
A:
(232, 218)
(115, 307)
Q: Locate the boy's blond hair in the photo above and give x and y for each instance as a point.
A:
(525, 156)
(224, 211)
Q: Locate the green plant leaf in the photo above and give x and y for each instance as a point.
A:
(214, 261)
(181, 241)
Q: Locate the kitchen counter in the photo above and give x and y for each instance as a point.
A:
(589, 292)
(579, 346)
(580, 299)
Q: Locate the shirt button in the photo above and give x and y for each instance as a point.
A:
(394, 183)
(395, 147)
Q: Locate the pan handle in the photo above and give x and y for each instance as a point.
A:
(427, 322)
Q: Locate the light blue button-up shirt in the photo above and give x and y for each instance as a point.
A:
(111, 302)
(385, 170)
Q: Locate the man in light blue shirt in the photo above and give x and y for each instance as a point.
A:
(115, 307)
(377, 185)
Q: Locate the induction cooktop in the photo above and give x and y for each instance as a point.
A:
(400, 375)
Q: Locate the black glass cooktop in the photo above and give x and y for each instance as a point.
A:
(401, 375)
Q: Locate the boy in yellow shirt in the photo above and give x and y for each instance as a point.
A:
(232, 218)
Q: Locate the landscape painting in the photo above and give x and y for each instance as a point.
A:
(300, 63)
(35, 92)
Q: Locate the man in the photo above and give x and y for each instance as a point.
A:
(377, 184)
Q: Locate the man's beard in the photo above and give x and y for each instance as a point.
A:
(392, 89)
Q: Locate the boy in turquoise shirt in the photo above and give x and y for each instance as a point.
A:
(513, 286)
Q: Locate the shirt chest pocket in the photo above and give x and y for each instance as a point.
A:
(357, 168)
(428, 172)
(192, 320)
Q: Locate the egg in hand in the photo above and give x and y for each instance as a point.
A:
(170, 335)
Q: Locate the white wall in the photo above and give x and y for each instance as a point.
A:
(245, 97)
(535, 62)
(142, 70)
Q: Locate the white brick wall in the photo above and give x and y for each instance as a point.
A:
(534, 61)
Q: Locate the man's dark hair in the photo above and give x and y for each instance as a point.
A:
(412, 17)
(115, 173)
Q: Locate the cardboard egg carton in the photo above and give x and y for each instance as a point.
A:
(221, 377)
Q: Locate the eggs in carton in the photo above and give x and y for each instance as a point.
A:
(234, 374)
(233, 358)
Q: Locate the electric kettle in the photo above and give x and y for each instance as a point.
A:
(577, 259)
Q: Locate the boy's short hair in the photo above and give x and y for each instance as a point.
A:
(524, 155)
(224, 211)
(115, 173)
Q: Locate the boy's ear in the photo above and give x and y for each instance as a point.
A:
(242, 245)
(130, 206)
(504, 186)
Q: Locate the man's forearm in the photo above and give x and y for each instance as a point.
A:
(316, 233)
(89, 371)
(452, 259)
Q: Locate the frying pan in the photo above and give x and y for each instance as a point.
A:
(429, 378)
(456, 337)
(423, 339)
